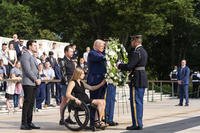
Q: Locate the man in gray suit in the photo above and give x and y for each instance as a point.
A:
(30, 81)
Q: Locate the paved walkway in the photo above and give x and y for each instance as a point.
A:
(159, 117)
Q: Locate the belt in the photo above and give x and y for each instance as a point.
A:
(139, 68)
(195, 80)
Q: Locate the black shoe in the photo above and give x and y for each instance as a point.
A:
(179, 104)
(113, 123)
(33, 126)
(134, 128)
(186, 104)
(25, 127)
(61, 122)
(69, 120)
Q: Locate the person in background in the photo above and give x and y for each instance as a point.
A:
(3, 75)
(17, 45)
(41, 90)
(12, 56)
(183, 82)
(173, 77)
(52, 60)
(195, 84)
(49, 72)
(85, 55)
(83, 65)
(21, 49)
(55, 50)
(16, 74)
(40, 50)
(15, 40)
(35, 54)
(75, 55)
(4, 57)
(58, 75)
(43, 58)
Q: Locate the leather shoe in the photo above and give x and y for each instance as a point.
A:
(61, 122)
(179, 104)
(186, 104)
(134, 128)
(25, 127)
(32, 126)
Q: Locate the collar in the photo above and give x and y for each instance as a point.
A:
(183, 67)
(30, 52)
(138, 46)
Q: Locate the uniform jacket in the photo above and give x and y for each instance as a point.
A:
(138, 58)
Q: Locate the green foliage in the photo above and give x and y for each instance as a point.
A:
(16, 18)
(170, 27)
(46, 34)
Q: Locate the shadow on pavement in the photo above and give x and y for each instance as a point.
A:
(171, 127)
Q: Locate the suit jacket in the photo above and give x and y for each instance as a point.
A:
(29, 69)
(52, 61)
(184, 75)
(138, 58)
(96, 67)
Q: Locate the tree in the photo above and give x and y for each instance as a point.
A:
(16, 18)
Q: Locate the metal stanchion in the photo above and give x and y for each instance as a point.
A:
(152, 98)
(161, 89)
(172, 89)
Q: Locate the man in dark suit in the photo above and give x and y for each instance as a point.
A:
(136, 64)
(96, 73)
(30, 81)
(183, 82)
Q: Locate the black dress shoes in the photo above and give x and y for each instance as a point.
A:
(134, 128)
(25, 127)
(32, 126)
(179, 104)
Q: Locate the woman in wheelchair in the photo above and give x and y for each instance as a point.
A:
(76, 91)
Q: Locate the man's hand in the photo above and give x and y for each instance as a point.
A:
(38, 81)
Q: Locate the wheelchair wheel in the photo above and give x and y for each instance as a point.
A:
(76, 116)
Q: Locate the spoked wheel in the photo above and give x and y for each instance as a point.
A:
(76, 116)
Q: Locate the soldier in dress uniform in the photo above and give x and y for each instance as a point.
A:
(173, 77)
(136, 65)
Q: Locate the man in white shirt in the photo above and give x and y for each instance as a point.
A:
(4, 57)
(85, 55)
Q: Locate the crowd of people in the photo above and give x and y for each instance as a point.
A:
(32, 71)
(48, 66)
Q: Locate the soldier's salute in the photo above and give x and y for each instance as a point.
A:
(136, 65)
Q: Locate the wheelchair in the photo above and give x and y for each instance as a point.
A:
(79, 116)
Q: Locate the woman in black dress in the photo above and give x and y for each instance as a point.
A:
(76, 91)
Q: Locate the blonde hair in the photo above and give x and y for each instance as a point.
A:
(77, 74)
(97, 43)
